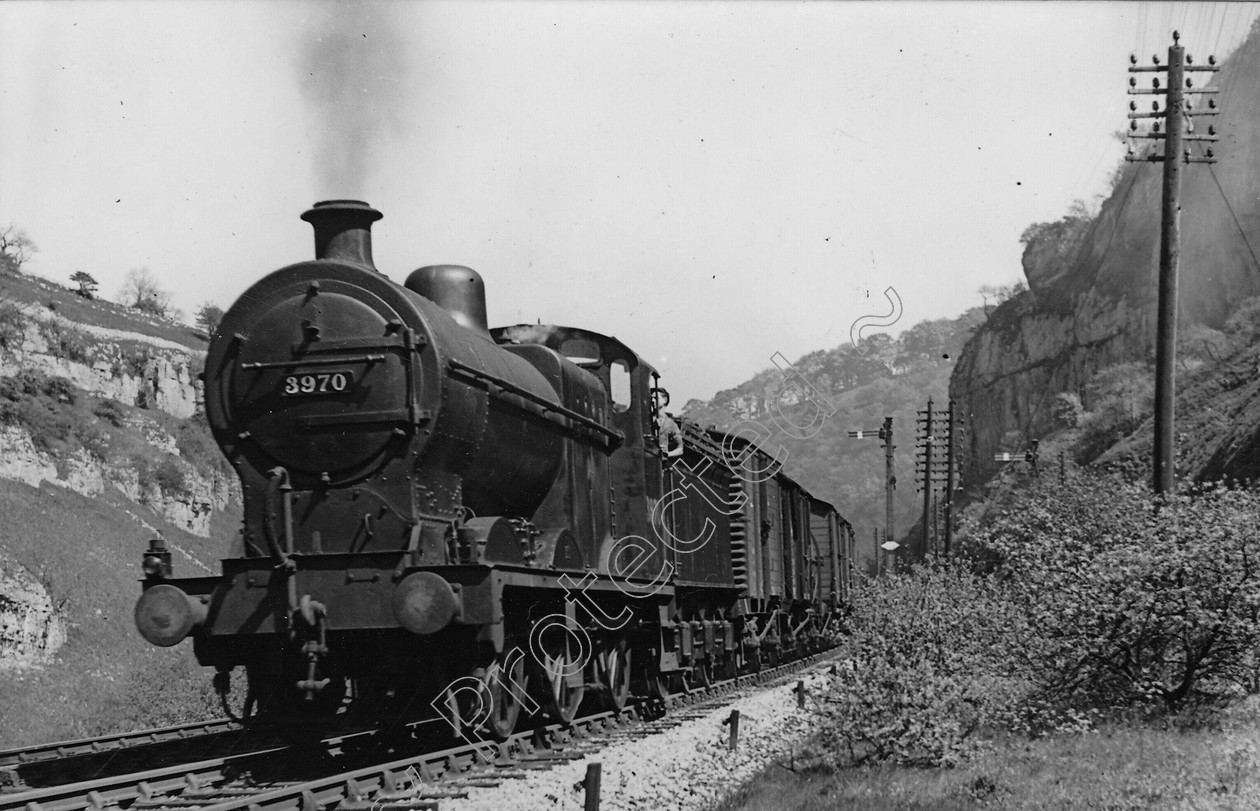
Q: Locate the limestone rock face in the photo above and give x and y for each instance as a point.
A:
(1092, 283)
(189, 508)
(32, 628)
(131, 368)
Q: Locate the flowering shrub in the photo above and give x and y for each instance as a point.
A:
(1083, 597)
(925, 667)
(1123, 599)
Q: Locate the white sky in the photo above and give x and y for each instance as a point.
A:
(710, 182)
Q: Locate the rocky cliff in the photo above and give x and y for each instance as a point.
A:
(1092, 280)
(103, 403)
(124, 365)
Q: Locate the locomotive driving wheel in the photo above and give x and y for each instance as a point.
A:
(504, 683)
(614, 669)
(560, 698)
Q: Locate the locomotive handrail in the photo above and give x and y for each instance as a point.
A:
(612, 439)
(308, 361)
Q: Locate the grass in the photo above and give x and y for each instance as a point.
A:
(1119, 767)
(22, 289)
(106, 678)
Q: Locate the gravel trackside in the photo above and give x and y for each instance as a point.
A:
(687, 767)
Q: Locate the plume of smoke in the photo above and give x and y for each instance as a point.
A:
(353, 66)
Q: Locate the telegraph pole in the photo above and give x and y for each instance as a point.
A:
(936, 471)
(1176, 112)
(927, 478)
(949, 483)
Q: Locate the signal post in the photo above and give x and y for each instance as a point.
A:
(885, 433)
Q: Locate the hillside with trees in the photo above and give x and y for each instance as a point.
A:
(103, 445)
(882, 377)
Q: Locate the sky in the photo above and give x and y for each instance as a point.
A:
(711, 182)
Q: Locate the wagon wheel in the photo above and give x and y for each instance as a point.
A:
(772, 656)
(559, 699)
(657, 686)
(615, 675)
(504, 683)
(702, 672)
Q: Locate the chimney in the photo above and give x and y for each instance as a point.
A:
(343, 230)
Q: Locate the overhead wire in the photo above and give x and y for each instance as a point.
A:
(1226, 86)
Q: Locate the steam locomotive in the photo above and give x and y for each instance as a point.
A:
(429, 505)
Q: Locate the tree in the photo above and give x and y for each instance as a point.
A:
(1068, 409)
(141, 292)
(1000, 294)
(87, 285)
(208, 317)
(15, 248)
(1198, 344)
(1120, 603)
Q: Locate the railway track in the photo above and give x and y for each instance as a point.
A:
(88, 758)
(111, 743)
(280, 779)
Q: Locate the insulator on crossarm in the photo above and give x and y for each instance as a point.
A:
(1189, 59)
(1211, 60)
(1155, 59)
(1211, 130)
(1211, 104)
(1132, 81)
(1189, 105)
(1154, 106)
(1176, 37)
(1133, 106)
(1155, 83)
(1133, 126)
(1132, 59)
(1189, 82)
(1210, 153)
(1156, 126)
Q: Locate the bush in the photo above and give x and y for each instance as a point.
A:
(1084, 597)
(196, 443)
(1127, 601)
(57, 415)
(1118, 398)
(925, 669)
(136, 361)
(67, 343)
(42, 405)
(12, 325)
(111, 411)
(166, 473)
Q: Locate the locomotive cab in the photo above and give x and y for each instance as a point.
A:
(631, 482)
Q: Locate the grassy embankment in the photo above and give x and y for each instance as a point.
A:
(1136, 766)
(86, 551)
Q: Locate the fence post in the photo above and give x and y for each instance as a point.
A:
(733, 721)
(592, 787)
